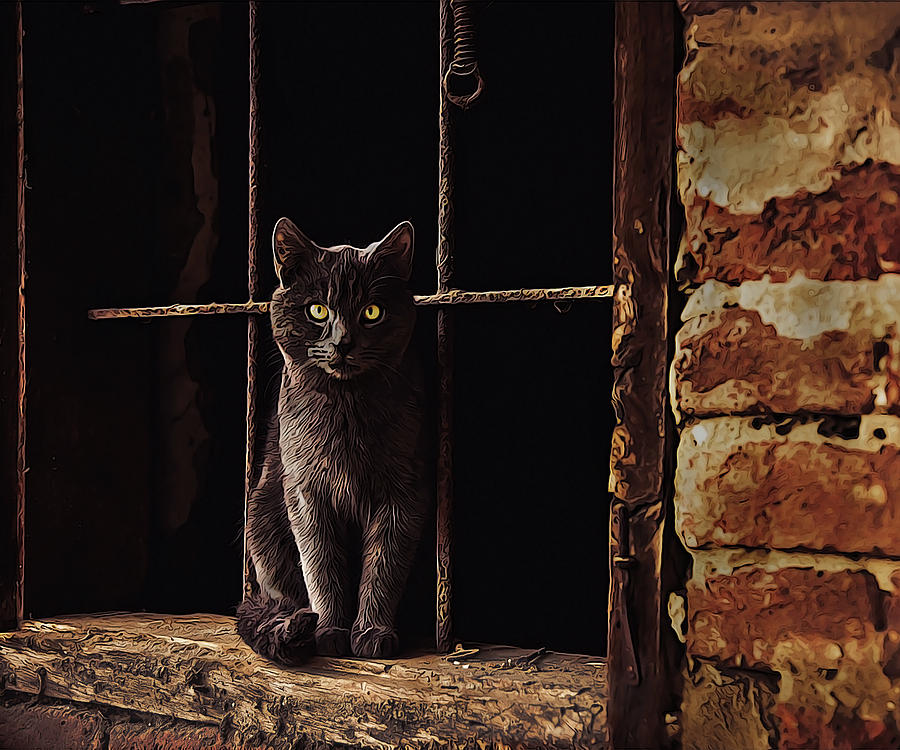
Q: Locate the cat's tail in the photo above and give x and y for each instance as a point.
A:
(277, 629)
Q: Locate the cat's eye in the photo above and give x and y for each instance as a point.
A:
(372, 314)
(317, 311)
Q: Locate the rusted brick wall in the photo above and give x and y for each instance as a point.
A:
(31, 723)
(786, 377)
(28, 723)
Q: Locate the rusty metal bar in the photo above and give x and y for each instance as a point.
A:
(444, 254)
(253, 186)
(443, 625)
(20, 239)
(461, 297)
(450, 297)
(252, 287)
(444, 263)
(213, 308)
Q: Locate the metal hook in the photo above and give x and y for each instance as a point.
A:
(464, 101)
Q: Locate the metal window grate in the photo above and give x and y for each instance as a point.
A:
(448, 297)
(445, 297)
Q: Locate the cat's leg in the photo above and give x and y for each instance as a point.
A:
(389, 546)
(275, 621)
(321, 537)
(271, 543)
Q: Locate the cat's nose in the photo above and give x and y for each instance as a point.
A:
(343, 347)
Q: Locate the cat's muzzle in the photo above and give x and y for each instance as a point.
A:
(330, 359)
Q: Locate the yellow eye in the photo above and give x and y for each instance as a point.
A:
(372, 313)
(318, 311)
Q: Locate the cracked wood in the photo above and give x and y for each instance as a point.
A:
(196, 668)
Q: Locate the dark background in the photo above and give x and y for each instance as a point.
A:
(348, 116)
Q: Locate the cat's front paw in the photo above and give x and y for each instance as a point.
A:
(374, 642)
(276, 629)
(333, 642)
(292, 636)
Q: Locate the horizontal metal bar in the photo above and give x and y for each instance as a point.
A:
(451, 297)
(459, 297)
(214, 308)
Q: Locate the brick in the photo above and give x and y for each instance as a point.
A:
(825, 628)
(773, 59)
(742, 619)
(722, 710)
(788, 130)
(775, 99)
(58, 725)
(744, 481)
(25, 725)
(820, 684)
(803, 345)
(807, 726)
(180, 736)
(849, 232)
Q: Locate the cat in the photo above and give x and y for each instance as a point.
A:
(343, 454)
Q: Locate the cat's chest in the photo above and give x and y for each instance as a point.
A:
(336, 449)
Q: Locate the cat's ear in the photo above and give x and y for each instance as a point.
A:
(291, 249)
(395, 251)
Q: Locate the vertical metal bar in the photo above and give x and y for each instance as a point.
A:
(20, 213)
(253, 257)
(253, 288)
(444, 623)
(444, 259)
(443, 627)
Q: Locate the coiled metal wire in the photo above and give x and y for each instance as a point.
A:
(463, 83)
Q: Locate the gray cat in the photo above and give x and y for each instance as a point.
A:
(343, 457)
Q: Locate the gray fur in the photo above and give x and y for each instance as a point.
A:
(344, 450)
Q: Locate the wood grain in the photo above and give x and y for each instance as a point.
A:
(644, 141)
(196, 668)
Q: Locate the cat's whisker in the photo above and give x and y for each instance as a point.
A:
(273, 379)
(378, 363)
(384, 377)
(387, 277)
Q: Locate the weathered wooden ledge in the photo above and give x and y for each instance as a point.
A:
(196, 668)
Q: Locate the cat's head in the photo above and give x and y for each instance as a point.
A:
(343, 309)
